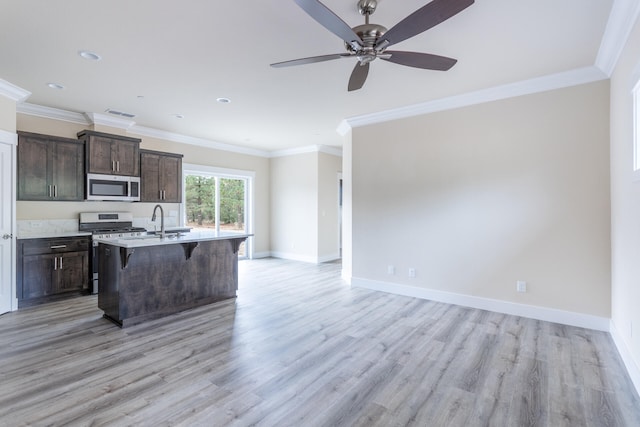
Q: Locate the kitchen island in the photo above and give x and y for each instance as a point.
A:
(148, 277)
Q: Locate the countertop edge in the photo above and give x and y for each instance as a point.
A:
(53, 235)
(132, 243)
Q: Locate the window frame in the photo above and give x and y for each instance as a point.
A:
(216, 172)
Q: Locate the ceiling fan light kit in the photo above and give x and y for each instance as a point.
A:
(368, 42)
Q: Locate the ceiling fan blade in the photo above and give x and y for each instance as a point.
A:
(419, 60)
(330, 21)
(358, 76)
(426, 17)
(311, 60)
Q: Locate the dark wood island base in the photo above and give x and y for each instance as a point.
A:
(151, 281)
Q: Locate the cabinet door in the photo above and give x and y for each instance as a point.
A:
(72, 272)
(100, 157)
(37, 275)
(149, 177)
(34, 172)
(171, 178)
(127, 157)
(68, 171)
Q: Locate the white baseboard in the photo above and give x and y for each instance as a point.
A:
(258, 255)
(329, 258)
(626, 355)
(305, 258)
(294, 257)
(533, 312)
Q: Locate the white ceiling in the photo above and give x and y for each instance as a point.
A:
(181, 56)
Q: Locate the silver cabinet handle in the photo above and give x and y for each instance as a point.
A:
(55, 263)
(7, 236)
(118, 166)
(55, 191)
(50, 195)
(60, 263)
(160, 194)
(58, 246)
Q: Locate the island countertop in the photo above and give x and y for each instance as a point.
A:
(169, 239)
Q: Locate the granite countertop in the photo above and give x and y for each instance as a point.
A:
(155, 240)
(49, 234)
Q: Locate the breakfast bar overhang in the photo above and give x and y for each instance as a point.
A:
(148, 277)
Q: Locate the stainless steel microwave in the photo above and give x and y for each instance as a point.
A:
(113, 187)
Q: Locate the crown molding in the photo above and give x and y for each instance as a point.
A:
(52, 113)
(343, 128)
(184, 139)
(334, 151)
(526, 87)
(106, 120)
(623, 16)
(13, 92)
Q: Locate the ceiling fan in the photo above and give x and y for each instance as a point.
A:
(370, 41)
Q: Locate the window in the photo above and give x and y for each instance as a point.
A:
(218, 199)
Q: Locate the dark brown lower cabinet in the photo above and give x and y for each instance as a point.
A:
(52, 268)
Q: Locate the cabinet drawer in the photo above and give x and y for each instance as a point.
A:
(55, 245)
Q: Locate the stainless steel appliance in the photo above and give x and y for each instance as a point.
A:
(113, 187)
(107, 225)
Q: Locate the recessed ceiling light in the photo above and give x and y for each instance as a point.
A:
(89, 55)
(55, 86)
(223, 100)
(140, 97)
(178, 116)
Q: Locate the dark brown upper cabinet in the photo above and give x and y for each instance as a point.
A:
(160, 177)
(111, 154)
(50, 168)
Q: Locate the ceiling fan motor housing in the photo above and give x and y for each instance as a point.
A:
(369, 33)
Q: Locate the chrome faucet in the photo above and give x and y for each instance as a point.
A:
(153, 218)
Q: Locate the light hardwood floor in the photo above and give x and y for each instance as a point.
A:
(298, 347)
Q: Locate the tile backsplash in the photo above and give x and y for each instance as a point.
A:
(54, 226)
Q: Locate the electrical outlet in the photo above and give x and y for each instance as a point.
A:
(391, 269)
(521, 286)
(412, 272)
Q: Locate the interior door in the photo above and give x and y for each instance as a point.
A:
(7, 240)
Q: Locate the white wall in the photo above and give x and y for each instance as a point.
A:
(7, 114)
(294, 207)
(329, 166)
(479, 197)
(304, 207)
(625, 209)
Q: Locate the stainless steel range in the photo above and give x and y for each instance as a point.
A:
(107, 225)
